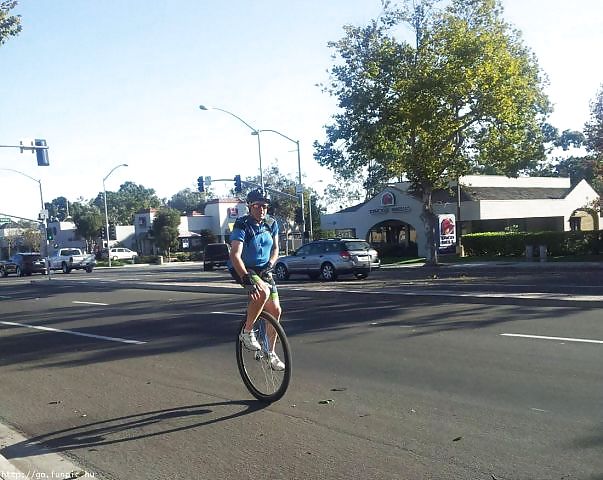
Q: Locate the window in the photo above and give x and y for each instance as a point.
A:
(316, 248)
(305, 250)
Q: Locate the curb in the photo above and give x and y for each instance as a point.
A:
(35, 465)
(8, 471)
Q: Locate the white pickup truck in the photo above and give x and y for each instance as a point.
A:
(67, 259)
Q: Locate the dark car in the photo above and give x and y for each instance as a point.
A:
(328, 259)
(22, 264)
(215, 255)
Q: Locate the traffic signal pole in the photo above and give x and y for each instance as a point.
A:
(42, 220)
(39, 146)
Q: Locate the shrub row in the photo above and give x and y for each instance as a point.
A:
(515, 243)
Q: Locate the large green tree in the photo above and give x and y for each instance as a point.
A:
(58, 209)
(88, 221)
(128, 200)
(10, 25)
(281, 188)
(188, 200)
(465, 96)
(165, 229)
(593, 131)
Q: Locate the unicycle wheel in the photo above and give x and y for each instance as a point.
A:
(265, 378)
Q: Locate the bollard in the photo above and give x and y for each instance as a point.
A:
(542, 253)
(529, 253)
(160, 259)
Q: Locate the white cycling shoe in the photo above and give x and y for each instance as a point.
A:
(249, 341)
(275, 363)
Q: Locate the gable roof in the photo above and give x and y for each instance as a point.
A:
(514, 193)
(475, 194)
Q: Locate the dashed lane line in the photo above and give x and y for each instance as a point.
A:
(542, 337)
(90, 303)
(72, 332)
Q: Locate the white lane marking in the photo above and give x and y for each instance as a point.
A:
(421, 293)
(4, 296)
(542, 337)
(72, 332)
(229, 313)
(453, 293)
(90, 303)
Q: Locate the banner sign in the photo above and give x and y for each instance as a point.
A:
(447, 229)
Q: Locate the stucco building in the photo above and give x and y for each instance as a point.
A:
(219, 217)
(487, 203)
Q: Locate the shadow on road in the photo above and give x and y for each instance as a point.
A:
(131, 427)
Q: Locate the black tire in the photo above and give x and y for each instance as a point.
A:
(328, 272)
(89, 269)
(281, 272)
(66, 268)
(18, 272)
(264, 383)
(4, 273)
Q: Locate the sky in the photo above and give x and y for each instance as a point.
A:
(121, 81)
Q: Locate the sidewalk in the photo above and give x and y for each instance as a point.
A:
(502, 264)
(36, 465)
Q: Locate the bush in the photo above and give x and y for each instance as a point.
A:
(515, 243)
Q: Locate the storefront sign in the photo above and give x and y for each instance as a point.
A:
(387, 198)
(386, 210)
(447, 228)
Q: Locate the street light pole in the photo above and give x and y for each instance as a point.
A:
(299, 187)
(310, 212)
(106, 214)
(44, 223)
(254, 131)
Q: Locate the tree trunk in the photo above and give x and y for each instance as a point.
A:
(430, 225)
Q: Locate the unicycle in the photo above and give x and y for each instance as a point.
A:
(264, 382)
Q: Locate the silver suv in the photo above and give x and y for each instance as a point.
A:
(328, 259)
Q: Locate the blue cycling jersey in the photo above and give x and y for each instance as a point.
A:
(257, 238)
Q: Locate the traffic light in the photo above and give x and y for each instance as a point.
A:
(41, 153)
(112, 232)
(49, 234)
(200, 185)
(102, 233)
(237, 181)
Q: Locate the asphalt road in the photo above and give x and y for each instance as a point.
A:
(489, 372)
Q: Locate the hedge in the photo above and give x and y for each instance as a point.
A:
(514, 243)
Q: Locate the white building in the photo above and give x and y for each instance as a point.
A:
(488, 203)
(220, 215)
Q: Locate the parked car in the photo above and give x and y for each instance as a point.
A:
(328, 259)
(120, 253)
(22, 264)
(215, 255)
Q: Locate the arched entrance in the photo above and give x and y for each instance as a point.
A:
(393, 237)
(584, 219)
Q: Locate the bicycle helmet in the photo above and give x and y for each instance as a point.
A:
(258, 195)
